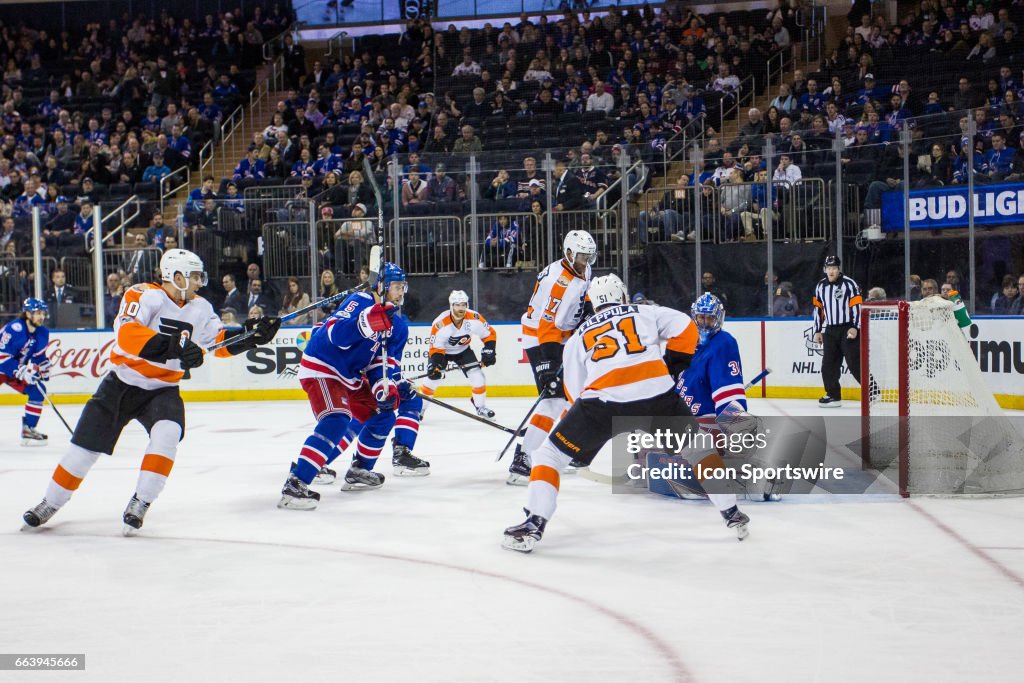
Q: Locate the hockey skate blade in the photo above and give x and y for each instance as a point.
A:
(323, 480)
(127, 530)
(517, 480)
(741, 532)
(289, 503)
(33, 443)
(347, 486)
(522, 544)
(411, 471)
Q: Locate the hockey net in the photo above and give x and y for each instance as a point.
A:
(928, 418)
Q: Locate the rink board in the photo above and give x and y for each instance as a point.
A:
(81, 358)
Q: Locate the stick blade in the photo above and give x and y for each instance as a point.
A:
(375, 264)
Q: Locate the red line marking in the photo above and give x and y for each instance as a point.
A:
(672, 661)
(975, 550)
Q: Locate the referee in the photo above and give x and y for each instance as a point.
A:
(836, 325)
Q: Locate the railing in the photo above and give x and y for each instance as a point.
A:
(133, 264)
(526, 251)
(431, 245)
(746, 93)
(206, 153)
(120, 217)
(16, 281)
(338, 39)
(231, 124)
(167, 188)
(774, 71)
(732, 212)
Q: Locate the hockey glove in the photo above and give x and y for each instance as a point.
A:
(264, 328)
(438, 362)
(488, 356)
(406, 390)
(26, 374)
(44, 370)
(376, 318)
(677, 362)
(189, 353)
(386, 397)
(548, 370)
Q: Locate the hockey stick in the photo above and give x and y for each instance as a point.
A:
(471, 416)
(521, 429)
(42, 390)
(610, 480)
(340, 296)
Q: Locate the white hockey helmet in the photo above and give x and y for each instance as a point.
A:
(181, 261)
(607, 290)
(579, 243)
(458, 297)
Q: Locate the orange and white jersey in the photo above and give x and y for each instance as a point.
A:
(452, 339)
(556, 306)
(616, 354)
(146, 310)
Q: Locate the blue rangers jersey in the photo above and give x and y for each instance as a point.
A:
(18, 346)
(343, 349)
(714, 378)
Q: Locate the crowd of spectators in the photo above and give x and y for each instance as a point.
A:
(101, 112)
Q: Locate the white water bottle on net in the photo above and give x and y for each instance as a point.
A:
(929, 420)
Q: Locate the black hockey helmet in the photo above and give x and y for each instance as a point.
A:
(833, 261)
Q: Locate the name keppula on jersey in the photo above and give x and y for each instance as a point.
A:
(673, 442)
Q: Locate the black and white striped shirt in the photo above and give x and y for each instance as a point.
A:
(836, 303)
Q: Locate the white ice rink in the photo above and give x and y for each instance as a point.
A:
(409, 583)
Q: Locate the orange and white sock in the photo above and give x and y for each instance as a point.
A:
(69, 474)
(707, 465)
(158, 461)
(542, 492)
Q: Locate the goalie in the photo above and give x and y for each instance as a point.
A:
(713, 384)
(450, 337)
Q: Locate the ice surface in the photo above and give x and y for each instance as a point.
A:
(410, 583)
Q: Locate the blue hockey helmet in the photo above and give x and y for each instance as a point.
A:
(707, 306)
(32, 304)
(390, 273)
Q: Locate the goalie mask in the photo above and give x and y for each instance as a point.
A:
(708, 314)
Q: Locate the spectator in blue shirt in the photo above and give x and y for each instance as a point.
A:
(197, 196)
(251, 166)
(156, 170)
(998, 160)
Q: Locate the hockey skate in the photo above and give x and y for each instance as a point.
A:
(358, 479)
(325, 476)
(519, 470)
(32, 437)
(297, 496)
(523, 537)
(485, 412)
(406, 464)
(734, 519)
(133, 516)
(38, 516)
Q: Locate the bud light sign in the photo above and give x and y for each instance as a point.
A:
(946, 207)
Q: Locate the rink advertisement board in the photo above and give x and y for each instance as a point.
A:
(946, 207)
(81, 359)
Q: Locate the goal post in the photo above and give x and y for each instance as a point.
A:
(929, 420)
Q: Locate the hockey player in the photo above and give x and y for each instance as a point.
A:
(450, 336)
(159, 333)
(556, 308)
(712, 385)
(613, 367)
(714, 379)
(350, 370)
(24, 365)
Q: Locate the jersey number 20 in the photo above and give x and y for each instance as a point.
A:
(604, 343)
